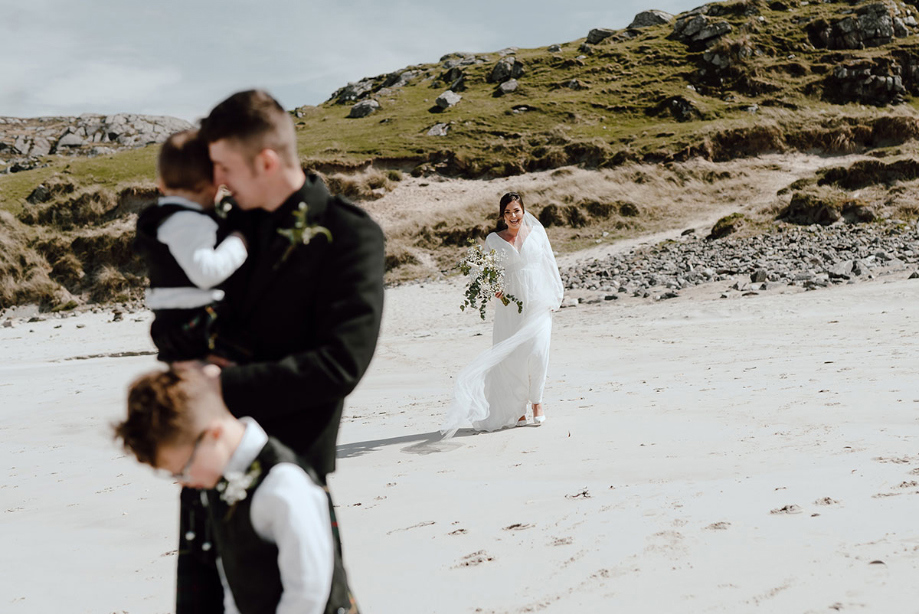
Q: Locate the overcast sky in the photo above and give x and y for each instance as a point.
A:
(180, 57)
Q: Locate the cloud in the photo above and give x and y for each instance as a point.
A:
(180, 58)
(105, 87)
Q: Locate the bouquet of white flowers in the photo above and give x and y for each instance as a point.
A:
(486, 279)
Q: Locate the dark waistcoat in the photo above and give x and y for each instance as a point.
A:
(162, 268)
(251, 563)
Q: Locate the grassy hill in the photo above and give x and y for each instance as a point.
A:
(778, 78)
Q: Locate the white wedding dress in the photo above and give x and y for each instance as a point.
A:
(492, 392)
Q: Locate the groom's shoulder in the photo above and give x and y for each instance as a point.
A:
(352, 215)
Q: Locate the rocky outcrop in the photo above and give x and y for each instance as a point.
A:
(871, 26)
(364, 108)
(598, 34)
(507, 87)
(876, 82)
(24, 141)
(438, 130)
(505, 69)
(697, 29)
(650, 18)
(380, 85)
(447, 100)
(812, 257)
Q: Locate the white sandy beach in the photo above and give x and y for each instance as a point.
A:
(680, 435)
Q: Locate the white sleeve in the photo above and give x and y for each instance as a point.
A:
(291, 511)
(191, 238)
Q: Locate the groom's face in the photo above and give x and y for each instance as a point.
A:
(234, 168)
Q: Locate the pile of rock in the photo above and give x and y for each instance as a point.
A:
(696, 29)
(870, 26)
(813, 256)
(870, 81)
(23, 141)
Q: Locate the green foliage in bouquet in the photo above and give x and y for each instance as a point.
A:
(487, 279)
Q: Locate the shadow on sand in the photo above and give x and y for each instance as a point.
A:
(421, 443)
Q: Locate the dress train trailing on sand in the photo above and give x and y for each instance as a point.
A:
(492, 392)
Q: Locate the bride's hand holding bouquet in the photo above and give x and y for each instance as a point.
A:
(486, 274)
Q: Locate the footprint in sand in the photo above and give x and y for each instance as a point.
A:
(458, 532)
(562, 541)
(476, 558)
(826, 501)
(718, 526)
(518, 527)
(787, 509)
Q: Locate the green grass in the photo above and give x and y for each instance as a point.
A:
(624, 80)
(615, 121)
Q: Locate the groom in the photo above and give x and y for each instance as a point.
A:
(306, 313)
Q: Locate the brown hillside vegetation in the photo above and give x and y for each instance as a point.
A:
(783, 111)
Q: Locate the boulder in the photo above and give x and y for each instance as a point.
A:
(22, 144)
(841, 270)
(650, 18)
(508, 87)
(400, 78)
(439, 130)
(697, 29)
(872, 25)
(506, 68)
(554, 49)
(353, 91)
(364, 108)
(40, 147)
(447, 99)
(70, 140)
(41, 194)
(598, 34)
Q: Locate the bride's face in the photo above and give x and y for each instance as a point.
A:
(513, 215)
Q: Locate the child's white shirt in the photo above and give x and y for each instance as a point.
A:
(291, 511)
(191, 237)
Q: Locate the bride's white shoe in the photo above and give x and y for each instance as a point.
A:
(537, 420)
(522, 421)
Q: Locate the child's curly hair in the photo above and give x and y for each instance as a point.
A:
(157, 414)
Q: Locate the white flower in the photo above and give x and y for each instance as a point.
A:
(236, 485)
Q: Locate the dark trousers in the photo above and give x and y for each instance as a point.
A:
(182, 334)
(198, 587)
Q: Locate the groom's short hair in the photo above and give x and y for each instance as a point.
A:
(256, 121)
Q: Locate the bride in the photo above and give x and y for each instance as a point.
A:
(492, 392)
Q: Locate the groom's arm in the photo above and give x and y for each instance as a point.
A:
(347, 324)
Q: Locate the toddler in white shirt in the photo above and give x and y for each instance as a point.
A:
(186, 249)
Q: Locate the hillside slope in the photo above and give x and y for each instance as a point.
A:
(669, 106)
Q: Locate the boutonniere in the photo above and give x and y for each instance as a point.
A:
(302, 232)
(235, 485)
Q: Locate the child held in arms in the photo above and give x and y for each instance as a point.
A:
(186, 249)
(271, 524)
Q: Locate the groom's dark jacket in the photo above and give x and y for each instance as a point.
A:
(308, 317)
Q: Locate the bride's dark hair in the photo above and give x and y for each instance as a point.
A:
(507, 199)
